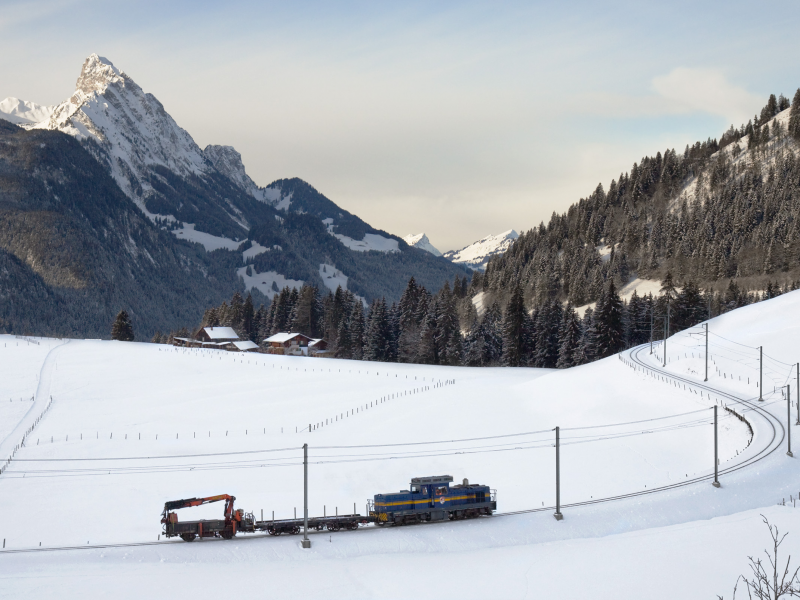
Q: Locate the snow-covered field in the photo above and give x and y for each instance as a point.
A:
(134, 425)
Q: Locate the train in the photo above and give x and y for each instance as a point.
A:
(427, 499)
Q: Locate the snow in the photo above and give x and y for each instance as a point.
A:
(623, 430)
(476, 255)
(21, 112)
(245, 345)
(605, 253)
(285, 202)
(208, 241)
(422, 242)
(280, 338)
(371, 241)
(254, 250)
(221, 333)
(332, 277)
(477, 302)
(642, 287)
(267, 282)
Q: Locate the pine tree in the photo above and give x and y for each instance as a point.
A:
(122, 329)
(376, 345)
(587, 350)
(569, 336)
(246, 323)
(306, 313)
(794, 116)
(609, 323)
(513, 322)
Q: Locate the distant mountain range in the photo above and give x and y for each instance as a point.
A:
(475, 256)
(94, 176)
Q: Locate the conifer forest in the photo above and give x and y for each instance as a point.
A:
(718, 225)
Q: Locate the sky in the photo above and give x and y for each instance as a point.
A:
(457, 119)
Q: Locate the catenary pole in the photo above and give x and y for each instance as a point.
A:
(706, 379)
(788, 420)
(666, 335)
(306, 541)
(761, 373)
(558, 514)
(716, 453)
(797, 387)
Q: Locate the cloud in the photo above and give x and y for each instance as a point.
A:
(682, 91)
(688, 90)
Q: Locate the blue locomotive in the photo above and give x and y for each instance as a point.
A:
(433, 499)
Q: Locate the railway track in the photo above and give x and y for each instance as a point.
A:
(773, 440)
(775, 434)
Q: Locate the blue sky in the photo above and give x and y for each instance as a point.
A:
(457, 119)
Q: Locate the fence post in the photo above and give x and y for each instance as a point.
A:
(558, 514)
(706, 379)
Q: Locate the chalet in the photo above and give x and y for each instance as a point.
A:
(218, 338)
(245, 346)
(289, 344)
(217, 334)
(318, 347)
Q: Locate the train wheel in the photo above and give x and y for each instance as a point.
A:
(227, 534)
(352, 526)
(273, 531)
(295, 530)
(188, 537)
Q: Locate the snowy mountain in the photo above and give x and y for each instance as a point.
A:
(476, 255)
(132, 131)
(203, 201)
(24, 113)
(422, 242)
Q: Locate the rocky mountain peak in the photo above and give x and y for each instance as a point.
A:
(228, 161)
(96, 75)
(421, 241)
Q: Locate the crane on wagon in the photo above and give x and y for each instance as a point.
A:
(233, 521)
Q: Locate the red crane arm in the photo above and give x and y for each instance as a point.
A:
(188, 502)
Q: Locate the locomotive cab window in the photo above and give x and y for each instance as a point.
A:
(415, 489)
(441, 490)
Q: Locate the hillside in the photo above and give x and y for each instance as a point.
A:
(719, 210)
(74, 249)
(134, 425)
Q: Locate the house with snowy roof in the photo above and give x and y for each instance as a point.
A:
(288, 344)
(217, 334)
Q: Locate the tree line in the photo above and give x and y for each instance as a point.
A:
(446, 327)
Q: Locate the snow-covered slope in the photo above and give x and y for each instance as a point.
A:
(476, 255)
(133, 425)
(130, 126)
(422, 242)
(21, 112)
